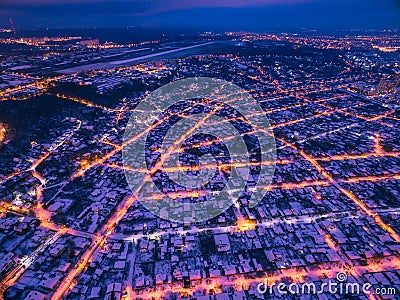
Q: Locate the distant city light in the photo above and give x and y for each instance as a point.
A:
(2, 132)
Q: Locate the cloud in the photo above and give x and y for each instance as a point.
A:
(169, 5)
(112, 8)
(136, 6)
(228, 14)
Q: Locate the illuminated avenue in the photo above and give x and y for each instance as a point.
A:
(70, 227)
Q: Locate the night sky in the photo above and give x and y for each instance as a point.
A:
(257, 15)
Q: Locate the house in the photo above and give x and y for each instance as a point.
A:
(222, 242)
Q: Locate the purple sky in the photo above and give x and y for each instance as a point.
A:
(203, 14)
